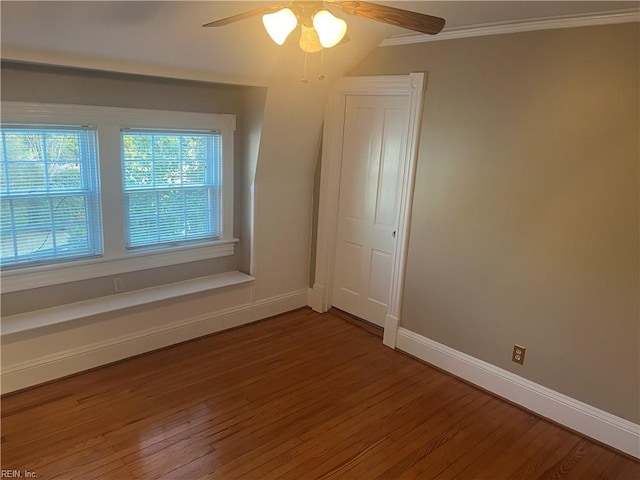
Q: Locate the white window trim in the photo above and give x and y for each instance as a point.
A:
(117, 259)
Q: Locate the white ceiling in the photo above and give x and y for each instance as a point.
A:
(166, 38)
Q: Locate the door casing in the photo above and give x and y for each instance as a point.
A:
(412, 86)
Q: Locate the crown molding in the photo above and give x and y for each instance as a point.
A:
(565, 21)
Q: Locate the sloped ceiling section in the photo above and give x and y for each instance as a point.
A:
(166, 38)
(156, 38)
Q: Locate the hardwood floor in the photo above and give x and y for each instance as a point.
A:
(299, 396)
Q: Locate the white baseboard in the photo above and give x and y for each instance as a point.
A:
(590, 421)
(50, 367)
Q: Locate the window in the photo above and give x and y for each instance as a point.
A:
(171, 184)
(49, 194)
(139, 189)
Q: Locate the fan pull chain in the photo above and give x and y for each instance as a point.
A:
(321, 76)
(304, 76)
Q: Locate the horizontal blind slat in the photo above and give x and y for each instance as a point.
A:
(50, 194)
(170, 179)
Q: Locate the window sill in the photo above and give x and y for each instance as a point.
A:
(43, 276)
(65, 313)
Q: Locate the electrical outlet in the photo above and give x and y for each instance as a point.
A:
(118, 285)
(518, 354)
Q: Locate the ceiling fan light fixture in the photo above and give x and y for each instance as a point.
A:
(331, 29)
(280, 24)
(309, 41)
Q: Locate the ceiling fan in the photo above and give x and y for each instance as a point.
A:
(321, 29)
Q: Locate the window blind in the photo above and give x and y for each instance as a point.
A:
(172, 186)
(49, 194)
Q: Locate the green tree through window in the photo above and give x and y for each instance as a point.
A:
(171, 186)
(49, 195)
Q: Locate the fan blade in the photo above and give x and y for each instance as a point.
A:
(419, 22)
(245, 15)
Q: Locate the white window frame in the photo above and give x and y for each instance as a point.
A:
(109, 121)
(87, 187)
(213, 190)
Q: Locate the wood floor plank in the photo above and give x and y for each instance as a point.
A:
(298, 396)
(353, 426)
(566, 464)
(423, 442)
(551, 448)
(591, 458)
(284, 452)
(437, 462)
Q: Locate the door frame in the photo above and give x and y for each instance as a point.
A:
(413, 86)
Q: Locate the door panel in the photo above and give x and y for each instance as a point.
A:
(389, 181)
(368, 209)
(379, 278)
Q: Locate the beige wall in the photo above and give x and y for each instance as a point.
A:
(32, 83)
(279, 132)
(276, 146)
(525, 224)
